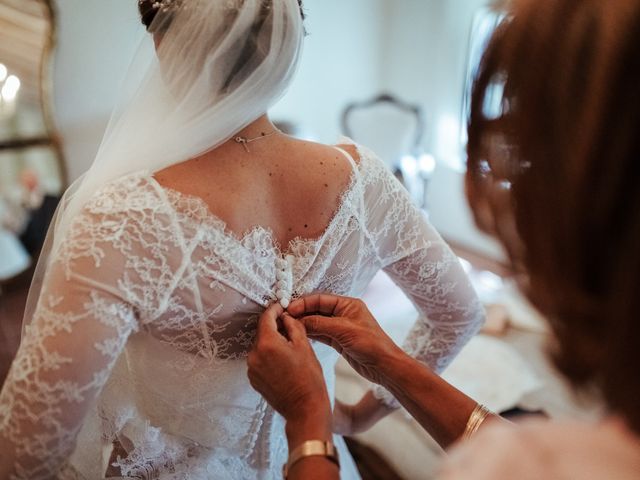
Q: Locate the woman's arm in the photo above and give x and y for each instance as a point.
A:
(347, 325)
(301, 396)
(417, 259)
(440, 408)
(449, 315)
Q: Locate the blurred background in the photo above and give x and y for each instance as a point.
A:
(392, 74)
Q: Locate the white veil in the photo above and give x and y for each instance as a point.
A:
(216, 66)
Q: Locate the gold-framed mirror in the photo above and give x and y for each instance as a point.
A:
(32, 168)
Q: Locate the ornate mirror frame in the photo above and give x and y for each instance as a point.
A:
(51, 137)
(33, 171)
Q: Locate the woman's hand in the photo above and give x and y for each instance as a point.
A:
(285, 370)
(343, 421)
(350, 420)
(347, 325)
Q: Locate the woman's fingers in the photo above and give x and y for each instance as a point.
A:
(342, 418)
(318, 303)
(268, 322)
(295, 330)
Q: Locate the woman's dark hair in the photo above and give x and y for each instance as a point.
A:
(250, 50)
(555, 175)
(148, 12)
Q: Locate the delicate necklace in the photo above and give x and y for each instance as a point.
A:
(244, 141)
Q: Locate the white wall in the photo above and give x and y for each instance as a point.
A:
(96, 42)
(426, 47)
(341, 62)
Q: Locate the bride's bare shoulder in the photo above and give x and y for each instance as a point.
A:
(323, 170)
(318, 150)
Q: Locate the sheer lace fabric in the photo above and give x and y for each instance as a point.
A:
(134, 365)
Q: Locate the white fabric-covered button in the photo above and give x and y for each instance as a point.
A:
(284, 280)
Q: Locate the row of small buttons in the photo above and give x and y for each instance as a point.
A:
(284, 280)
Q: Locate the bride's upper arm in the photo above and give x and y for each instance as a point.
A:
(71, 342)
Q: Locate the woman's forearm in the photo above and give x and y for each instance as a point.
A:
(441, 409)
(315, 425)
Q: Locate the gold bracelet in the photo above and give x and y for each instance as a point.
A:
(478, 416)
(311, 448)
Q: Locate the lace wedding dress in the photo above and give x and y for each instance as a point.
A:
(134, 365)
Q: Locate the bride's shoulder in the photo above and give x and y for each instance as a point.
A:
(364, 158)
(125, 194)
(122, 214)
(127, 203)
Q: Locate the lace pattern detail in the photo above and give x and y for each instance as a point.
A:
(40, 396)
(148, 311)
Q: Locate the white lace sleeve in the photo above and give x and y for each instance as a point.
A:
(418, 260)
(79, 329)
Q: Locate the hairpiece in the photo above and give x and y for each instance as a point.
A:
(162, 5)
(170, 5)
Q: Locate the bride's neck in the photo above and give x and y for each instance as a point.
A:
(261, 126)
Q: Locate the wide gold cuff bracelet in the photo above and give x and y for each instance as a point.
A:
(311, 448)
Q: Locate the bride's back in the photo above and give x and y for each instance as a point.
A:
(288, 186)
